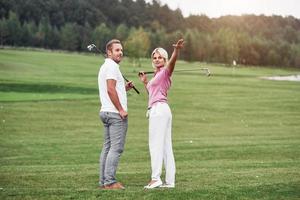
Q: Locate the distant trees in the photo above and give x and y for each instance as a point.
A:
(101, 35)
(137, 44)
(295, 55)
(141, 26)
(13, 27)
(69, 37)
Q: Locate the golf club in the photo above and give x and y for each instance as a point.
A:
(206, 71)
(93, 46)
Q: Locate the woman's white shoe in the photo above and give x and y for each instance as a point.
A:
(152, 185)
(167, 186)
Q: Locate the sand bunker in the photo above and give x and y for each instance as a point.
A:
(283, 78)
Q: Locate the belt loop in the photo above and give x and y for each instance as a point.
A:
(148, 112)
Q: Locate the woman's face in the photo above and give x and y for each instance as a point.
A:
(158, 60)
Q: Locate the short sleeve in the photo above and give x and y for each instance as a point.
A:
(167, 72)
(112, 72)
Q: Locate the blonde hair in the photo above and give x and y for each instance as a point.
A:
(162, 52)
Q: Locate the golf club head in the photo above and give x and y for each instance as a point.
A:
(90, 47)
(208, 72)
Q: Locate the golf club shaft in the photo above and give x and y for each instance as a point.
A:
(180, 70)
(133, 86)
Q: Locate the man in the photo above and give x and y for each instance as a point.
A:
(113, 114)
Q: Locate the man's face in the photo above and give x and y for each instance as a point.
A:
(116, 52)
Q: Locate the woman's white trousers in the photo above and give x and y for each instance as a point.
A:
(160, 142)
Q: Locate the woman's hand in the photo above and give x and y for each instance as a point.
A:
(179, 44)
(143, 77)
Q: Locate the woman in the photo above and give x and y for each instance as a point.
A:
(160, 116)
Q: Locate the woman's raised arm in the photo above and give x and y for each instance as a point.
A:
(172, 61)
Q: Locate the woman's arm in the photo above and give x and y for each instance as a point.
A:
(143, 78)
(172, 61)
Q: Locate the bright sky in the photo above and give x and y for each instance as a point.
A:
(217, 8)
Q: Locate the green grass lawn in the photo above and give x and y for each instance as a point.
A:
(235, 136)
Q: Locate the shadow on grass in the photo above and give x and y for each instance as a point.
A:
(45, 88)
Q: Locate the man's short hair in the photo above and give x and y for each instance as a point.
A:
(110, 43)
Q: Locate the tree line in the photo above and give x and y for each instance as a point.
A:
(73, 24)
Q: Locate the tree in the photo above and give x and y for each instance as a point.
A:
(101, 35)
(137, 44)
(4, 32)
(202, 23)
(44, 33)
(244, 41)
(53, 38)
(295, 55)
(69, 37)
(291, 35)
(85, 33)
(26, 37)
(122, 32)
(158, 37)
(197, 45)
(5, 7)
(273, 58)
(188, 49)
(55, 13)
(14, 29)
(226, 45)
(32, 32)
(284, 50)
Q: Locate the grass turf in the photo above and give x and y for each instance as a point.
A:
(235, 136)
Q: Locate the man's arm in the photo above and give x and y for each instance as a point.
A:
(113, 95)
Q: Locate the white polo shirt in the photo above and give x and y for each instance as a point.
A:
(110, 70)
